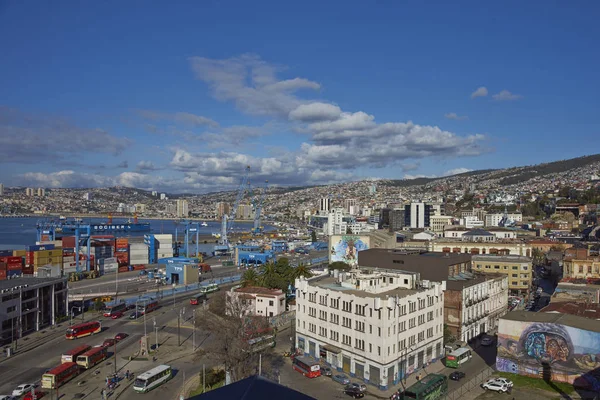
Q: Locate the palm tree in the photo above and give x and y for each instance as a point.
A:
(250, 278)
(301, 271)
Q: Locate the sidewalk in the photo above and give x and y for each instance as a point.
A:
(34, 339)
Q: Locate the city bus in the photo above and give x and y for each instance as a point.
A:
(84, 329)
(153, 378)
(210, 288)
(148, 307)
(71, 355)
(92, 357)
(60, 375)
(110, 310)
(261, 343)
(458, 357)
(198, 299)
(307, 367)
(430, 387)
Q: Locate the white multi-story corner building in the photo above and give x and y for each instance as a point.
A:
(335, 222)
(374, 324)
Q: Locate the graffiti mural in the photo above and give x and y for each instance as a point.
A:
(345, 248)
(550, 351)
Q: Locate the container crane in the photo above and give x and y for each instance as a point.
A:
(257, 229)
(228, 219)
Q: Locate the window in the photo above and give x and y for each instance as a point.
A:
(11, 309)
(412, 306)
(402, 326)
(411, 323)
(347, 340)
(359, 344)
(347, 306)
(524, 267)
(346, 322)
(312, 311)
(323, 315)
(360, 326)
(312, 327)
(270, 303)
(379, 330)
(360, 310)
(421, 319)
(378, 350)
(322, 331)
(403, 310)
(402, 344)
(430, 316)
(334, 335)
(515, 267)
(429, 332)
(421, 304)
(371, 329)
(312, 297)
(334, 318)
(370, 348)
(412, 340)
(421, 336)
(323, 300)
(335, 303)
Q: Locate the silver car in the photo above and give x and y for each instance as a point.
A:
(495, 386)
(358, 386)
(502, 381)
(343, 379)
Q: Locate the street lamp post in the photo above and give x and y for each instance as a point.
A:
(156, 333)
(71, 316)
(194, 332)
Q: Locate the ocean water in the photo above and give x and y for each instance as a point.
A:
(16, 233)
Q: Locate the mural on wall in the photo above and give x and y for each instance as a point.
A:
(345, 248)
(551, 351)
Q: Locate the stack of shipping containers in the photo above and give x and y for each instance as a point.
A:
(44, 255)
(122, 253)
(165, 245)
(103, 249)
(138, 252)
(10, 266)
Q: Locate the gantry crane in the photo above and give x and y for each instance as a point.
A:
(228, 219)
(258, 203)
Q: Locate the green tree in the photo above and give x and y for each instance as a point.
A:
(339, 265)
(250, 278)
(301, 271)
(448, 336)
(348, 231)
(313, 236)
(538, 256)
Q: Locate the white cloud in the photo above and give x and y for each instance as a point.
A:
(184, 118)
(456, 171)
(314, 112)
(34, 138)
(146, 166)
(455, 116)
(480, 92)
(408, 176)
(505, 95)
(251, 84)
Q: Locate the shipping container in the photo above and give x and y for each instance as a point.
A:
(40, 247)
(14, 267)
(28, 271)
(69, 242)
(19, 253)
(122, 243)
(6, 253)
(3, 266)
(123, 269)
(14, 272)
(2, 275)
(11, 259)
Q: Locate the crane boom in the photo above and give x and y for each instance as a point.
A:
(228, 219)
(258, 208)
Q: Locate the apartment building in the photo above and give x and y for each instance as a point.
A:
(439, 222)
(473, 303)
(376, 325)
(518, 269)
(481, 245)
(182, 208)
(255, 301)
(579, 264)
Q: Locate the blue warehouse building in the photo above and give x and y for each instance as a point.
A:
(252, 255)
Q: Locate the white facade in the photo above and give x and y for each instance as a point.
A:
(494, 219)
(1, 189)
(255, 301)
(182, 208)
(163, 196)
(324, 205)
(358, 228)
(483, 305)
(503, 233)
(335, 224)
(417, 215)
(438, 223)
(455, 232)
(471, 222)
(375, 325)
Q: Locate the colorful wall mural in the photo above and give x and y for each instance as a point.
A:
(550, 351)
(345, 248)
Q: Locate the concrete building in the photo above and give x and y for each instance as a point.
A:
(473, 303)
(396, 220)
(244, 211)
(41, 192)
(324, 205)
(31, 304)
(417, 215)
(494, 219)
(481, 244)
(29, 192)
(579, 264)
(518, 269)
(182, 208)
(163, 196)
(348, 203)
(471, 222)
(336, 223)
(87, 196)
(256, 301)
(376, 325)
(140, 208)
(1, 189)
(438, 223)
(222, 208)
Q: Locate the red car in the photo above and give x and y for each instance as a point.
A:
(109, 342)
(120, 336)
(116, 314)
(38, 395)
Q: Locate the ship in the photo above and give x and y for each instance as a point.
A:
(108, 227)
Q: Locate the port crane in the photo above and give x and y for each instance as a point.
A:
(228, 219)
(258, 203)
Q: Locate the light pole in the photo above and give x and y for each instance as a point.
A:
(71, 316)
(194, 332)
(156, 332)
(179, 328)
(117, 284)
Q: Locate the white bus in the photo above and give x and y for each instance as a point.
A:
(210, 288)
(153, 378)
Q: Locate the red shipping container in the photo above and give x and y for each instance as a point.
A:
(13, 260)
(28, 271)
(11, 267)
(123, 269)
(3, 266)
(68, 242)
(2, 275)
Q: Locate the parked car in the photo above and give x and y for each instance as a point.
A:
(358, 386)
(7, 397)
(457, 375)
(38, 394)
(109, 342)
(22, 389)
(343, 379)
(354, 392)
(326, 371)
(487, 341)
(502, 381)
(120, 336)
(131, 306)
(495, 386)
(135, 315)
(116, 314)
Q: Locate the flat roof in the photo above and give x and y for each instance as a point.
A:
(492, 257)
(30, 282)
(153, 371)
(330, 282)
(573, 321)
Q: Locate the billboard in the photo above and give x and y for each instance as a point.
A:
(345, 248)
(550, 351)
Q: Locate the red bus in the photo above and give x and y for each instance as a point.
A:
(85, 329)
(92, 357)
(307, 367)
(110, 310)
(148, 307)
(71, 355)
(60, 375)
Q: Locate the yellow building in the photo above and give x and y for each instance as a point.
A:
(518, 268)
(515, 247)
(578, 264)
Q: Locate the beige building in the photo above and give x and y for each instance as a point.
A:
(481, 245)
(437, 223)
(222, 208)
(519, 270)
(578, 264)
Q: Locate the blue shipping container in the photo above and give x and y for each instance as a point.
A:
(40, 247)
(6, 253)
(14, 272)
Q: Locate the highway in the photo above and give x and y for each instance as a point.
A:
(28, 367)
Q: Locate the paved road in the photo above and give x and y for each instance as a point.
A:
(29, 367)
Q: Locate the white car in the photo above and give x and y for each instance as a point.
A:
(22, 389)
(502, 381)
(495, 386)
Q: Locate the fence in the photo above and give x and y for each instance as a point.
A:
(470, 389)
(282, 319)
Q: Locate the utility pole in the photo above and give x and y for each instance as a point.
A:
(115, 360)
(203, 378)
(117, 285)
(260, 364)
(155, 330)
(194, 332)
(145, 331)
(179, 328)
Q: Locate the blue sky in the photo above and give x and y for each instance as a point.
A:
(180, 96)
